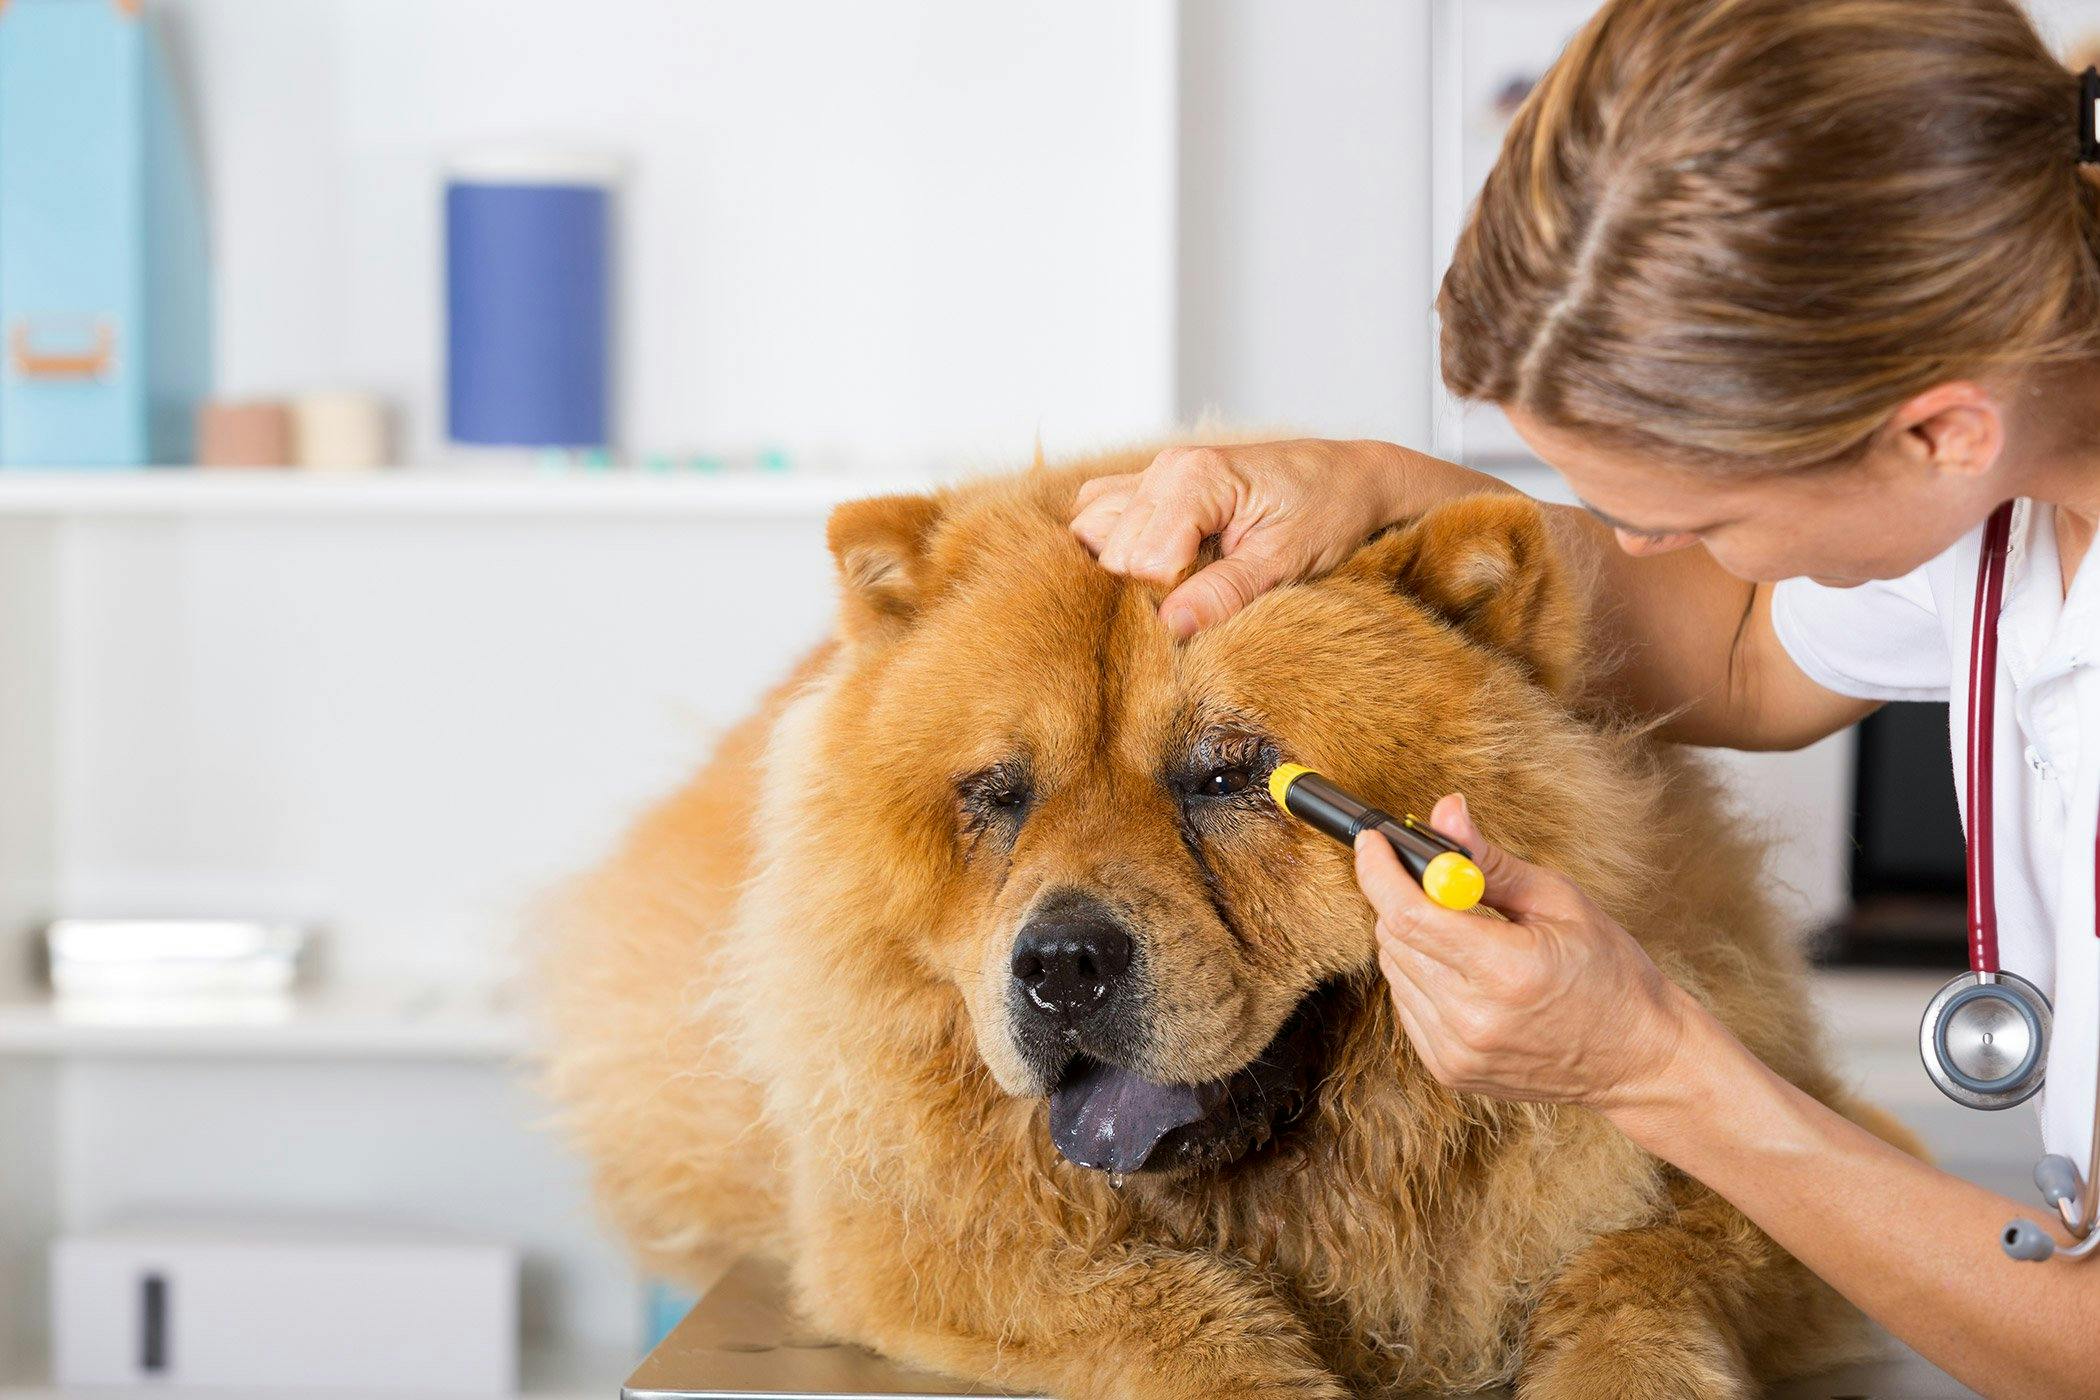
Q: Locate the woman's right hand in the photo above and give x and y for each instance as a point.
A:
(1280, 511)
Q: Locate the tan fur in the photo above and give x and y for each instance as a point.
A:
(780, 1027)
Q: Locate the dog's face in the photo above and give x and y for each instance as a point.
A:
(1074, 807)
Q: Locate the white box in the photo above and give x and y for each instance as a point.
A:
(173, 957)
(283, 1307)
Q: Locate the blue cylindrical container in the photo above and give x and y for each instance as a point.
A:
(526, 292)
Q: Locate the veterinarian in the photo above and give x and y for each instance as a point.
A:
(1795, 296)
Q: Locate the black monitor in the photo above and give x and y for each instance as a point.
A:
(1907, 855)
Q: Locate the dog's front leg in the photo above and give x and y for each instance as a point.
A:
(1681, 1309)
(1127, 1321)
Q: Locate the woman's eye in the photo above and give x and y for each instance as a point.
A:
(1224, 782)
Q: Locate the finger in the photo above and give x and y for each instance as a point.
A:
(1432, 985)
(1093, 488)
(1514, 886)
(1461, 942)
(1418, 1016)
(1189, 509)
(1167, 543)
(1220, 589)
(1094, 524)
(1115, 552)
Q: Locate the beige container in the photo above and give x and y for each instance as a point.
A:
(340, 431)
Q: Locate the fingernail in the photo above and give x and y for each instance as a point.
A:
(1182, 623)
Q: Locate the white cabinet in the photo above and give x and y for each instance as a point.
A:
(400, 707)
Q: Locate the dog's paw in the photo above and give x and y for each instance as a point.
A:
(1303, 1385)
(1635, 1355)
(1251, 1377)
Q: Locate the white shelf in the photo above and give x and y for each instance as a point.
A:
(377, 1023)
(415, 491)
(544, 1373)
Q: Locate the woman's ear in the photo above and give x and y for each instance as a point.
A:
(881, 548)
(1954, 428)
(1487, 567)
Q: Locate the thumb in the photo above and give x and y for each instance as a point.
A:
(1514, 886)
(1222, 588)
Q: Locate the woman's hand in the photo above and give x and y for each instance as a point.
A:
(1280, 511)
(1559, 1003)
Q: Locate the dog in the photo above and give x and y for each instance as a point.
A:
(977, 978)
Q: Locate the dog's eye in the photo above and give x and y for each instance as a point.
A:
(1225, 782)
(995, 799)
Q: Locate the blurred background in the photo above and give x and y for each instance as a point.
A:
(417, 423)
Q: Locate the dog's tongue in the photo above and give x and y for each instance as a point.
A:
(1110, 1119)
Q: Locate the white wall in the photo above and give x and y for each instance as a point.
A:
(1304, 179)
(915, 229)
(403, 728)
(28, 651)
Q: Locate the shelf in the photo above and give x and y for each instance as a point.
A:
(544, 1373)
(370, 1024)
(621, 494)
(417, 491)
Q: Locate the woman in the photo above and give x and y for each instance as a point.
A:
(1794, 294)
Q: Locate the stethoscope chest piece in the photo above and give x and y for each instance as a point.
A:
(1985, 1039)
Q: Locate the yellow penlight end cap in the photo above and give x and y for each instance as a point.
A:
(1280, 781)
(1453, 881)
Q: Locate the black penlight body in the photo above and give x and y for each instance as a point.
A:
(1443, 868)
(1327, 809)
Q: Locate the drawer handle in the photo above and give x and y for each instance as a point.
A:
(91, 362)
(153, 1324)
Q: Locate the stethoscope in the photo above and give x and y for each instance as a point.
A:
(1985, 1035)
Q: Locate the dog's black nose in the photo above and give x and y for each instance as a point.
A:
(1069, 958)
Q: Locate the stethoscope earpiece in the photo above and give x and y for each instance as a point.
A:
(2056, 1176)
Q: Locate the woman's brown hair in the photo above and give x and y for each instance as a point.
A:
(1741, 233)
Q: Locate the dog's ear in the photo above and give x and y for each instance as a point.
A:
(880, 544)
(1488, 567)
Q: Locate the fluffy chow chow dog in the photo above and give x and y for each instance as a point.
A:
(977, 978)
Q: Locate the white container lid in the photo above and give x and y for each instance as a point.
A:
(533, 165)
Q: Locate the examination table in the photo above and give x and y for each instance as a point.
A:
(739, 1343)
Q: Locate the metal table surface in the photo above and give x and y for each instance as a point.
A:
(740, 1343)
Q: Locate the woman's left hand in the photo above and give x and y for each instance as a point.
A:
(1559, 1003)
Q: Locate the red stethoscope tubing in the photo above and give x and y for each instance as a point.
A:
(1983, 715)
(2073, 1195)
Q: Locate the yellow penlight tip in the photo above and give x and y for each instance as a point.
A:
(1280, 781)
(1453, 881)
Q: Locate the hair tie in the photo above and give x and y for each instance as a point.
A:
(2089, 117)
